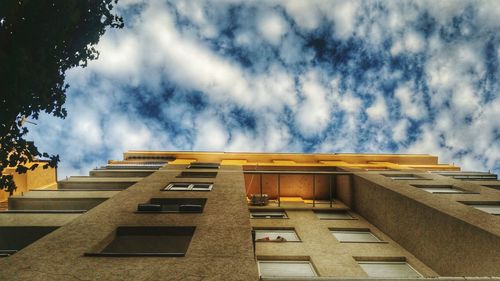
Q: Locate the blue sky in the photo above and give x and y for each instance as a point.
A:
(288, 76)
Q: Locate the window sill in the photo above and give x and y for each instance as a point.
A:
(365, 242)
(134, 254)
(278, 241)
(167, 212)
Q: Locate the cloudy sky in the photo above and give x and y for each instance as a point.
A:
(288, 76)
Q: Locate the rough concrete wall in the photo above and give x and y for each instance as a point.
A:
(221, 247)
(330, 257)
(343, 190)
(450, 237)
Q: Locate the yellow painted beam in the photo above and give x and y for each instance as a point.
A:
(406, 159)
(284, 162)
(390, 165)
(335, 163)
(234, 162)
(182, 161)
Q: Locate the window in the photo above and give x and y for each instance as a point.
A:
(53, 203)
(148, 241)
(154, 166)
(200, 165)
(497, 187)
(333, 215)
(197, 175)
(286, 269)
(15, 238)
(388, 269)
(258, 214)
(493, 208)
(173, 205)
(403, 177)
(202, 186)
(441, 189)
(468, 175)
(276, 235)
(354, 236)
(183, 186)
(475, 177)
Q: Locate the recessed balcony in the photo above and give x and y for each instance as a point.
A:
(298, 188)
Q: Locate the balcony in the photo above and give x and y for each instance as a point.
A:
(298, 188)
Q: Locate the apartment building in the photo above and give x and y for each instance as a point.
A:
(166, 215)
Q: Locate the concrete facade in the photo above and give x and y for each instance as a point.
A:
(436, 235)
(456, 239)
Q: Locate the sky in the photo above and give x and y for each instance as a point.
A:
(287, 76)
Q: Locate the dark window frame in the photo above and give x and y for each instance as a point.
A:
(203, 165)
(256, 211)
(148, 233)
(191, 186)
(197, 175)
(176, 201)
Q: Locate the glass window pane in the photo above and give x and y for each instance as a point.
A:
(202, 186)
(354, 236)
(272, 235)
(388, 269)
(491, 209)
(181, 184)
(189, 186)
(286, 268)
(442, 190)
(178, 186)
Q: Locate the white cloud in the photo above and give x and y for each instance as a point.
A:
(465, 101)
(86, 129)
(119, 58)
(313, 113)
(378, 110)
(411, 42)
(343, 14)
(306, 14)
(411, 102)
(350, 103)
(399, 131)
(292, 50)
(223, 55)
(427, 143)
(210, 133)
(272, 26)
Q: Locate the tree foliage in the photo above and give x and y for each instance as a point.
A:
(39, 41)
